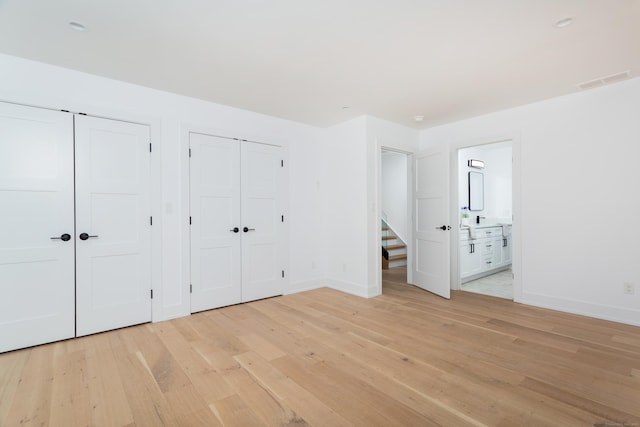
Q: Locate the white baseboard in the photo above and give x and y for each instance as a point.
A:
(598, 311)
(307, 285)
(348, 287)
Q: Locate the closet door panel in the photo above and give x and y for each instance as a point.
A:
(262, 215)
(36, 205)
(215, 212)
(113, 258)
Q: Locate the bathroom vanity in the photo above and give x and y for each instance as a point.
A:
(488, 253)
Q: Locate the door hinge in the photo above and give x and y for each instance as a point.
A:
(282, 218)
(189, 220)
(189, 152)
(65, 111)
(150, 220)
(282, 273)
(151, 293)
(190, 288)
(150, 147)
(281, 163)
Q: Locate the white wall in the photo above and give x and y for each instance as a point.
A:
(497, 181)
(394, 192)
(345, 209)
(28, 82)
(578, 165)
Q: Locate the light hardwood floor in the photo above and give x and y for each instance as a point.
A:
(325, 358)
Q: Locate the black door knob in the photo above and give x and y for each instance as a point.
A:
(85, 236)
(443, 228)
(235, 229)
(245, 229)
(65, 237)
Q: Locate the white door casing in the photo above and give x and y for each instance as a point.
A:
(36, 205)
(215, 214)
(234, 185)
(262, 245)
(113, 269)
(431, 213)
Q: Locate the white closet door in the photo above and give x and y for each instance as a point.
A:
(262, 217)
(113, 208)
(36, 205)
(215, 212)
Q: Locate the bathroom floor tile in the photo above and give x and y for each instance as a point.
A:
(498, 285)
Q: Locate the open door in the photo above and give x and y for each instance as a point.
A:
(431, 221)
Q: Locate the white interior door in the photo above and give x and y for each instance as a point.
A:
(113, 230)
(36, 210)
(262, 223)
(215, 217)
(431, 214)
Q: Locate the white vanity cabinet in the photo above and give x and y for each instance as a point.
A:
(489, 252)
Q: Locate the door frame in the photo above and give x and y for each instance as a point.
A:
(185, 204)
(517, 213)
(155, 135)
(378, 232)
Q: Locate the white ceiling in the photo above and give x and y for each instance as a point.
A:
(305, 60)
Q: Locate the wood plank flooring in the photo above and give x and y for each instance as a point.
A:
(325, 358)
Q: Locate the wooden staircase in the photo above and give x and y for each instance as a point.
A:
(396, 248)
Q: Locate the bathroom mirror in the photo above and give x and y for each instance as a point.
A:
(476, 191)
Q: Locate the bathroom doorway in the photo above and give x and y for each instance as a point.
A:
(485, 182)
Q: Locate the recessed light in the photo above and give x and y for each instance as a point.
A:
(418, 118)
(77, 26)
(564, 22)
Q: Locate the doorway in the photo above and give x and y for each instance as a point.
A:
(394, 214)
(485, 200)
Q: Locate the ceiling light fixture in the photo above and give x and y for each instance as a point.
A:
(564, 22)
(77, 26)
(418, 118)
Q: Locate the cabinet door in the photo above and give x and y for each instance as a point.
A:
(470, 258)
(113, 257)
(506, 250)
(215, 214)
(496, 256)
(262, 242)
(36, 209)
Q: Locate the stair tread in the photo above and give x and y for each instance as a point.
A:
(392, 247)
(395, 257)
(385, 228)
(390, 237)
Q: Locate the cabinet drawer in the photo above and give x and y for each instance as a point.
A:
(490, 232)
(488, 246)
